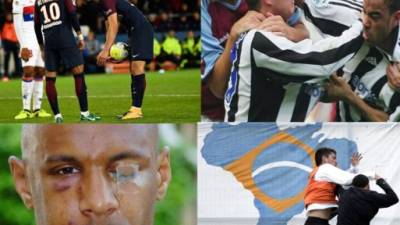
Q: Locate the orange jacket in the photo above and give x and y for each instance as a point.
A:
(8, 32)
(319, 191)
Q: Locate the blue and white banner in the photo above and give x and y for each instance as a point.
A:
(256, 173)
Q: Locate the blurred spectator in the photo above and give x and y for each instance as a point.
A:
(154, 21)
(190, 53)
(171, 49)
(7, 6)
(183, 24)
(195, 22)
(10, 45)
(93, 47)
(165, 23)
(198, 45)
(154, 65)
(94, 18)
(173, 5)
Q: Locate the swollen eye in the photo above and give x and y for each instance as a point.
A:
(127, 173)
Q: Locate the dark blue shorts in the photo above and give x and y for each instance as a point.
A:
(69, 57)
(141, 42)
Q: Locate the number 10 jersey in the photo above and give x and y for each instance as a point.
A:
(56, 22)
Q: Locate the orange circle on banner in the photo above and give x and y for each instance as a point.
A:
(242, 170)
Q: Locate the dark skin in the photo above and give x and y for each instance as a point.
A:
(380, 26)
(27, 53)
(71, 171)
(31, 72)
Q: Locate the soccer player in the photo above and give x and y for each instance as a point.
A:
(141, 47)
(56, 19)
(367, 91)
(364, 93)
(91, 174)
(273, 78)
(33, 69)
(358, 205)
(217, 43)
(218, 39)
(320, 194)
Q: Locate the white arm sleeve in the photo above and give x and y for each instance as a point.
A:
(305, 58)
(330, 173)
(18, 21)
(353, 169)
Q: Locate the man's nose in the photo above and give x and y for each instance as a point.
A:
(365, 21)
(97, 195)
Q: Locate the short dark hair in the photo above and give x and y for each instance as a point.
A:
(360, 181)
(321, 153)
(253, 4)
(393, 5)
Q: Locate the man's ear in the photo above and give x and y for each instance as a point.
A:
(163, 173)
(323, 159)
(397, 16)
(267, 2)
(17, 168)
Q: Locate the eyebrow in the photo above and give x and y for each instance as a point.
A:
(61, 158)
(120, 156)
(130, 155)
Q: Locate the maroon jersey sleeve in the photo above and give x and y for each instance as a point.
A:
(38, 26)
(70, 5)
(109, 7)
(71, 10)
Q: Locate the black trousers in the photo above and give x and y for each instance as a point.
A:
(11, 48)
(316, 221)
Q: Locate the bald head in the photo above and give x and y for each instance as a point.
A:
(34, 135)
(89, 174)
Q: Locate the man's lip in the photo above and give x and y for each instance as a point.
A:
(365, 34)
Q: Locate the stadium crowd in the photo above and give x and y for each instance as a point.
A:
(176, 24)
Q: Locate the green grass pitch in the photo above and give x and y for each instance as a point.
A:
(172, 97)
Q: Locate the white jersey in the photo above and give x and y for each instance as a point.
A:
(274, 79)
(366, 75)
(23, 11)
(332, 17)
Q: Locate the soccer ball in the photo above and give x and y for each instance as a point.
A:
(119, 51)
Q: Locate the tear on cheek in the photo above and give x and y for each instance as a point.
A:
(133, 184)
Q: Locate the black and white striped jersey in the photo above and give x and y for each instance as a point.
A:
(274, 79)
(332, 17)
(366, 74)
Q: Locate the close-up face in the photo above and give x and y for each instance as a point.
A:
(378, 21)
(331, 159)
(94, 175)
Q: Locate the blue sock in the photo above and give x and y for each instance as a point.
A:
(138, 86)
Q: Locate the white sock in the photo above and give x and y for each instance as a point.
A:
(37, 94)
(58, 116)
(85, 113)
(27, 89)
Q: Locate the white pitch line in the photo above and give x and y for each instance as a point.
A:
(107, 96)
